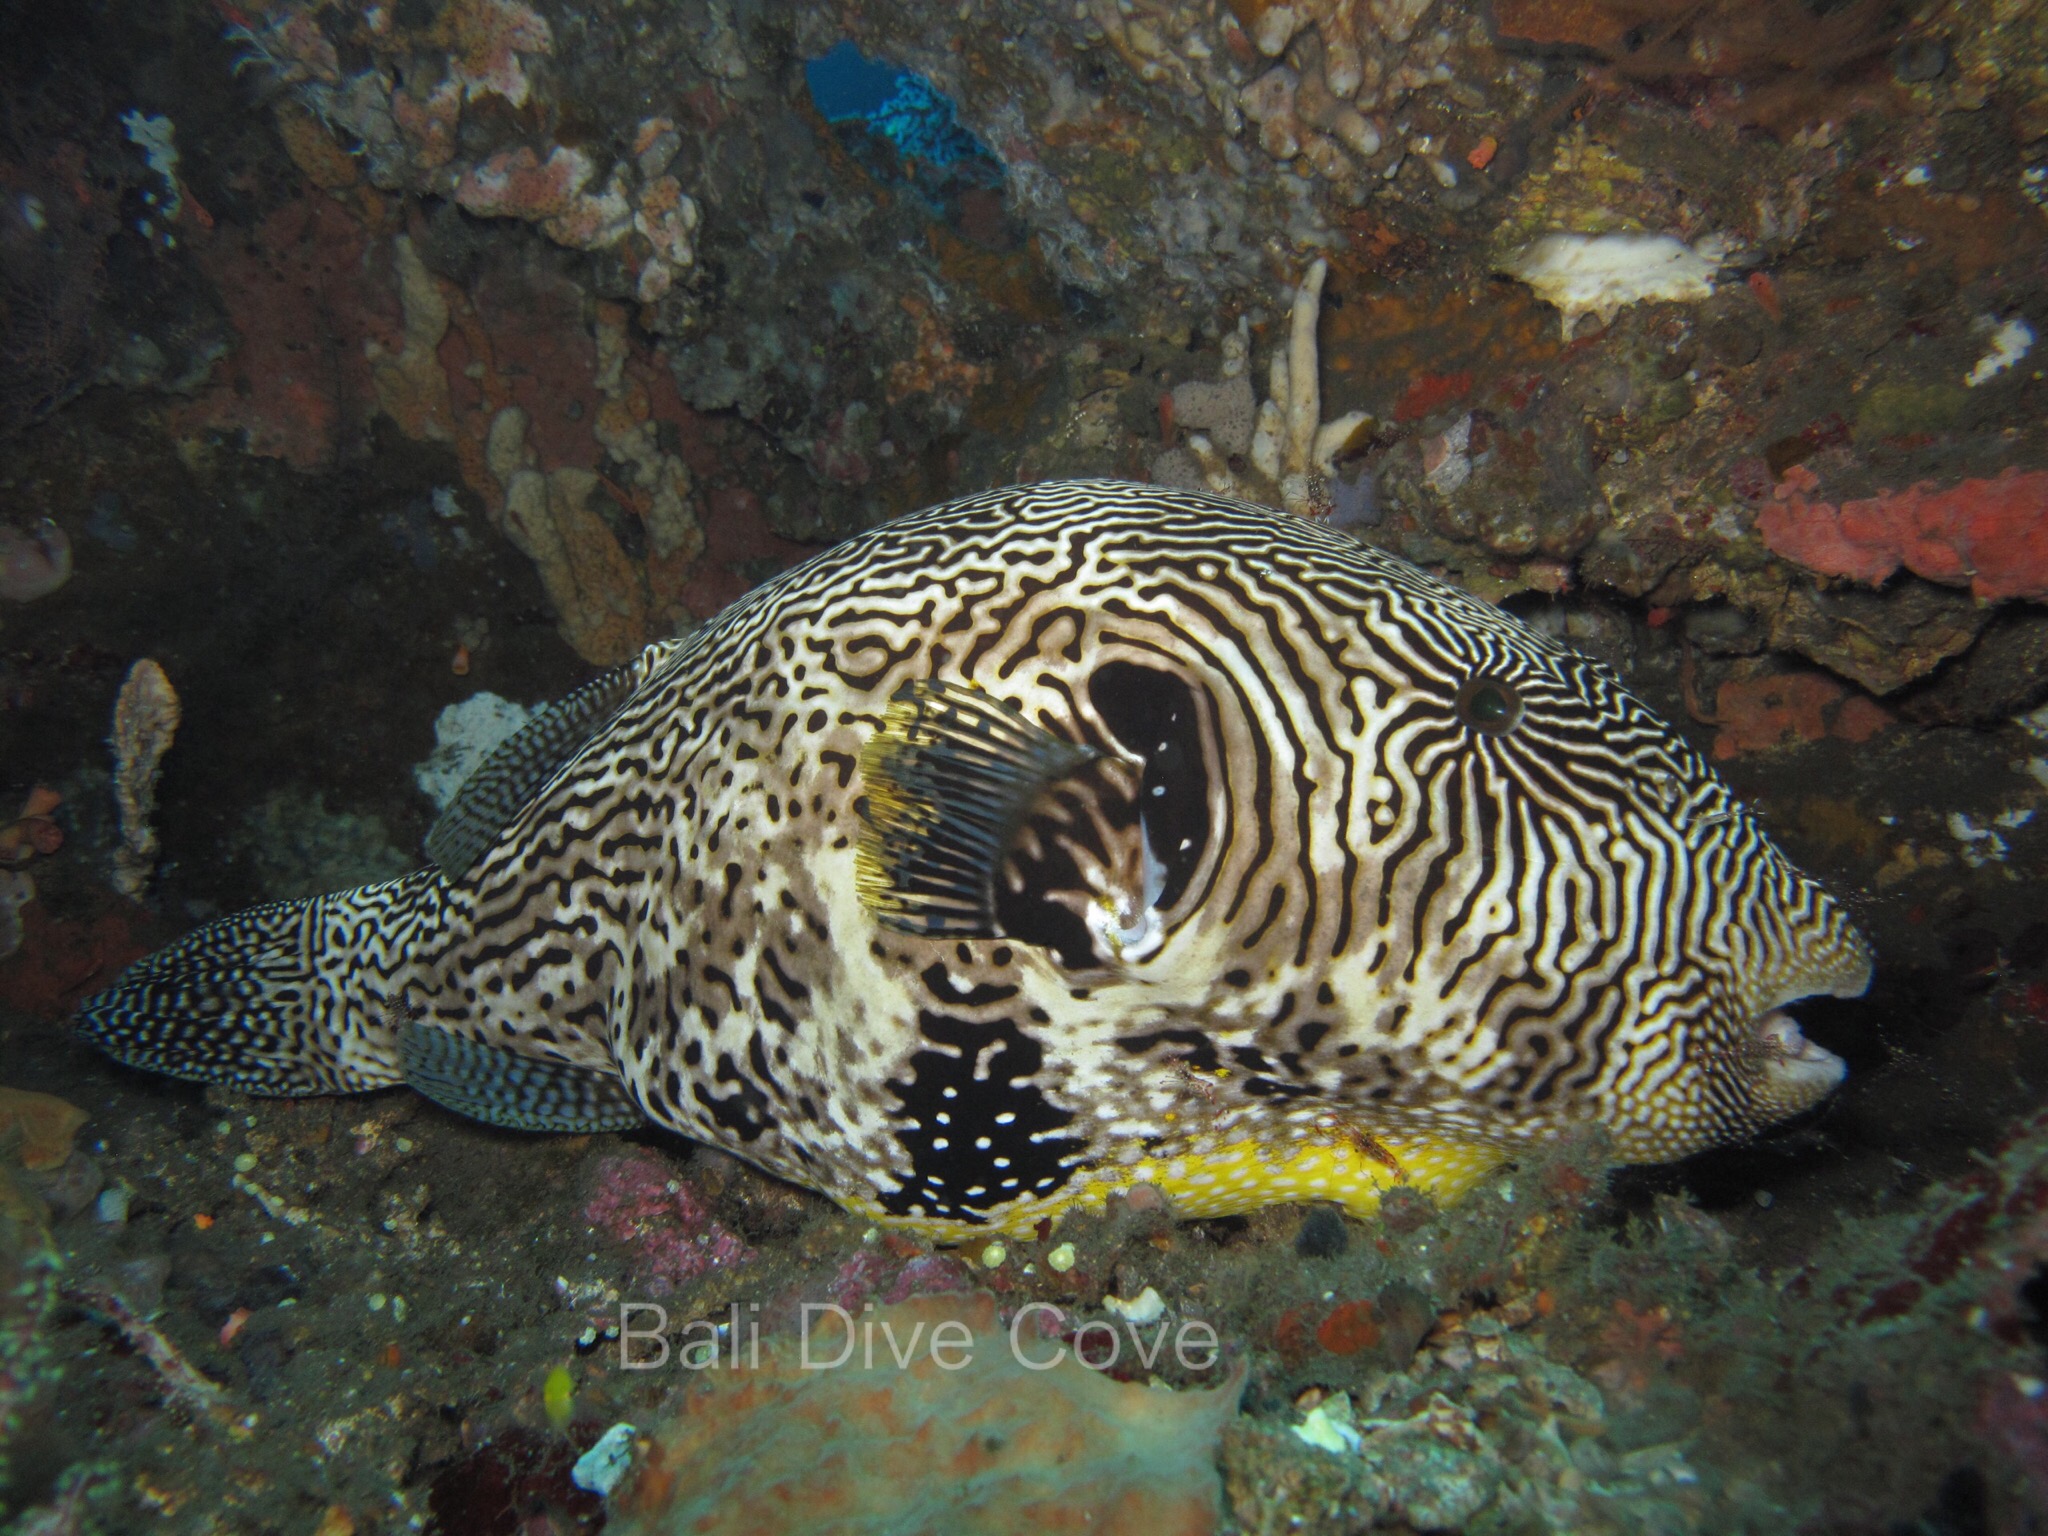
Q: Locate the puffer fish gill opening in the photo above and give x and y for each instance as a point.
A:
(1050, 841)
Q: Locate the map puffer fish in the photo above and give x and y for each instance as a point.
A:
(1053, 841)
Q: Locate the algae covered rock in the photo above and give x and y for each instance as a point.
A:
(932, 1417)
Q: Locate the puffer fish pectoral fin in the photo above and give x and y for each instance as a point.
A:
(521, 1093)
(947, 781)
(519, 767)
(285, 998)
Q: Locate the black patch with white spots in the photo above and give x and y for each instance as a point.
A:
(978, 1131)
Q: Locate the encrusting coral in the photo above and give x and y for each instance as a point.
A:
(968, 1427)
(1332, 62)
(145, 720)
(408, 139)
(626, 429)
(411, 387)
(1990, 534)
(597, 591)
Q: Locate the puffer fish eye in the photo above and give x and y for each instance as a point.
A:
(1487, 704)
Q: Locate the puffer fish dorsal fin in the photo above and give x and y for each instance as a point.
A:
(521, 1093)
(947, 781)
(517, 769)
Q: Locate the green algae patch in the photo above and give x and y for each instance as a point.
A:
(1908, 410)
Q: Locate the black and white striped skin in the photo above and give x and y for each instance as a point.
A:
(1426, 876)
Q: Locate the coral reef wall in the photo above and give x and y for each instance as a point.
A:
(904, 251)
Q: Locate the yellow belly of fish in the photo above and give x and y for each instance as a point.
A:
(1239, 1177)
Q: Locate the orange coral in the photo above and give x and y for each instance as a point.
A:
(597, 592)
(1756, 714)
(517, 183)
(1349, 1329)
(313, 150)
(429, 125)
(487, 40)
(1991, 535)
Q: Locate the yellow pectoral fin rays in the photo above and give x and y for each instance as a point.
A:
(1234, 1178)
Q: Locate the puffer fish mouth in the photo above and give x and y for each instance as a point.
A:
(1790, 1073)
(1794, 1073)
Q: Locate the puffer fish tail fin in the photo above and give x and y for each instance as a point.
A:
(292, 997)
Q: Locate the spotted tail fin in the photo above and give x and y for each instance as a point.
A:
(287, 998)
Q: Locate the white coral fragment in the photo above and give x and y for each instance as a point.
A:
(1985, 845)
(1328, 1427)
(465, 733)
(1291, 448)
(1602, 274)
(1304, 386)
(1141, 1311)
(2009, 343)
(156, 138)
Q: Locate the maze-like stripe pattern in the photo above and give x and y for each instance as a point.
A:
(1390, 911)
(1420, 871)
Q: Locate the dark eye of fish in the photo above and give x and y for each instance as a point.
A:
(1489, 705)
